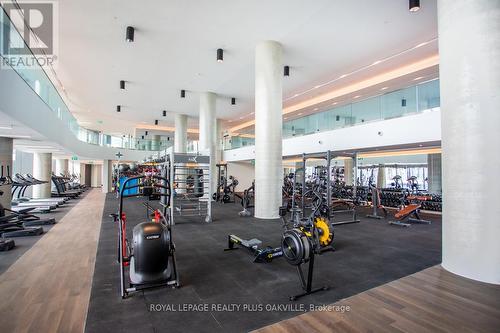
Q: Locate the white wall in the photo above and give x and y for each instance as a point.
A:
(244, 172)
(421, 127)
(96, 175)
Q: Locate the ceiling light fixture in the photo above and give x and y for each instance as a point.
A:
(118, 108)
(122, 84)
(220, 55)
(357, 96)
(130, 34)
(164, 113)
(334, 103)
(418, 78)
(183, 93)
(414, 5)
(286, 71)
(233, 101)
(384, 88)
(300, 114)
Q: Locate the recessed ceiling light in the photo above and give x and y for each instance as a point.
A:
(384, 88)
(377, 62)
(299, 114)
(130, 34)
(285, 118)
(241, 118)
(334, 103)
(342, 76)
(295, 95)
(318, 86)
(316, 109)
(286, 71)
(414, 5)
(220, 55)
(418, 78)
(357, 96)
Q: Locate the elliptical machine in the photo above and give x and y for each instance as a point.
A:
(151, 256)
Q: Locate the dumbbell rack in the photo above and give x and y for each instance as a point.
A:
(189, 201)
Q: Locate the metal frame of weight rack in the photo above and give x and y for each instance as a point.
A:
(329, 156)
(185, 203)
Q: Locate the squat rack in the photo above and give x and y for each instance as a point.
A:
(328, 156)
(195, 200)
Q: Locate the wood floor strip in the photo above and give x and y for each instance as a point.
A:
(432, 300)
(48, 288)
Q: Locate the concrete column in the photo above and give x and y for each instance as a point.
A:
(42, 170)
(349, 171)
(155, 143)
(434, 173)
(61, 166)
(180, 135)
(6, 151)
(107, 175)
(268, 129)
(381, 176)
(469, 49)
(208, 133)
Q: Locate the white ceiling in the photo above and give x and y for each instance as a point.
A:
(175, 48)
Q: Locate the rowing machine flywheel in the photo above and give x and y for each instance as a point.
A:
(325, 235)
(296, 246)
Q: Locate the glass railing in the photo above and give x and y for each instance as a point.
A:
(36, 78)
(394, 104)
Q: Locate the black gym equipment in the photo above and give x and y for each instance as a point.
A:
(301, 243)
(247, 200)
(376, 204)
(151, 255)
(266, 254)
(225, 192)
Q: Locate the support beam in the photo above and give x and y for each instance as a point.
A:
(208, 133)
(268, 129)
(6, 151)
(180, 135)
(42, 170)
(469, 50)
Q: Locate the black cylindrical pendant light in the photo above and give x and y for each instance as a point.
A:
(183, 93)
(220, 55)
(122, 84)
(286, 71)
(164, 113)
(130, 34)
(156, 122)
(414, 5)
(118, 108)
(233, 101)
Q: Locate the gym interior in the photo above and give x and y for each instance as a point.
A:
(249, 166)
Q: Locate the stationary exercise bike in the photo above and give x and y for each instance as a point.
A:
(150, 257)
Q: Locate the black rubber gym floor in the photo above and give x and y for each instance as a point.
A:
(367, 255)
